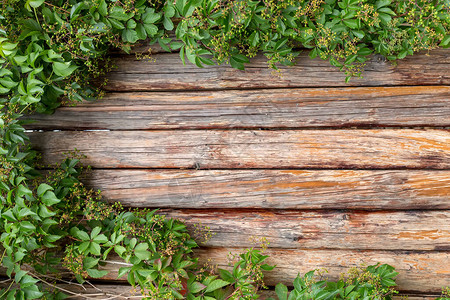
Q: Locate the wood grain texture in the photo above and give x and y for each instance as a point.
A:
(424, 272)
(379, 149)
(275, 189)
(410, 230)
(168, 73)
(280, 108)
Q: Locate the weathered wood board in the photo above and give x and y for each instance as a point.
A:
(167, 73)
(385, 230)
(424, 272)
(326, 149)
(275, 189)
(279, 108)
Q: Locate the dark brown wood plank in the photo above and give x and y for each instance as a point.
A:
(380, 149)
(424, 272)
(292, 108)
(276, 189)
(168, 73)
(410, 230)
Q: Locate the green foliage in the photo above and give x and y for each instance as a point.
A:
(51, 50)
(372, 282)
(445, 294)
(61, 215)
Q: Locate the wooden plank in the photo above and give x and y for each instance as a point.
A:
(379, 149)
(276, 189)
(120, 291)
(423, 272)
(292, 108)
(410, 230)
(168, 73)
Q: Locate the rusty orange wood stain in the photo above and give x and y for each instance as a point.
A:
(425, 234)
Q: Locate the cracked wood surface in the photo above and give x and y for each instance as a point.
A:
(168, 73)
(293, 108)
(327, 149)
(275, 189)
(385, 230)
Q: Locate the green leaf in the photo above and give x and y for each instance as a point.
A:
(445, 41)
(27, 281)
(182, 55)
(52, 238)
(150, 17)
(352, 23)
(116, 24)
(82, 235)
(131, 24)
(168, 24)
(140, 31)
(385, 17)
(387, 10)
(364, 52)
(382, 3)
(151, 29)
(123, 271)
(84, 246)
(19, 275)
(32, 292)
(216, 284)
(103, 8)
(90, 262)
(237, 61)
(117, 12)
(267, 267)
(63, 69)
(141, 251)
(44, 212)
(49, 198)
(94, 273)
(101, 239)
(119, 249)
(25, 211)
(43, 187)
(76, 9)
(27, 226)
(35, 3)
(129, 35)
(95, 231)
(282, 291)
(358, 33)
(94, 248)
(226, 275)
(196, 287)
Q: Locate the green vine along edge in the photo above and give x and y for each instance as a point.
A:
(53, 228)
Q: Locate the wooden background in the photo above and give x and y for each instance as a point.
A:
(332, 174)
